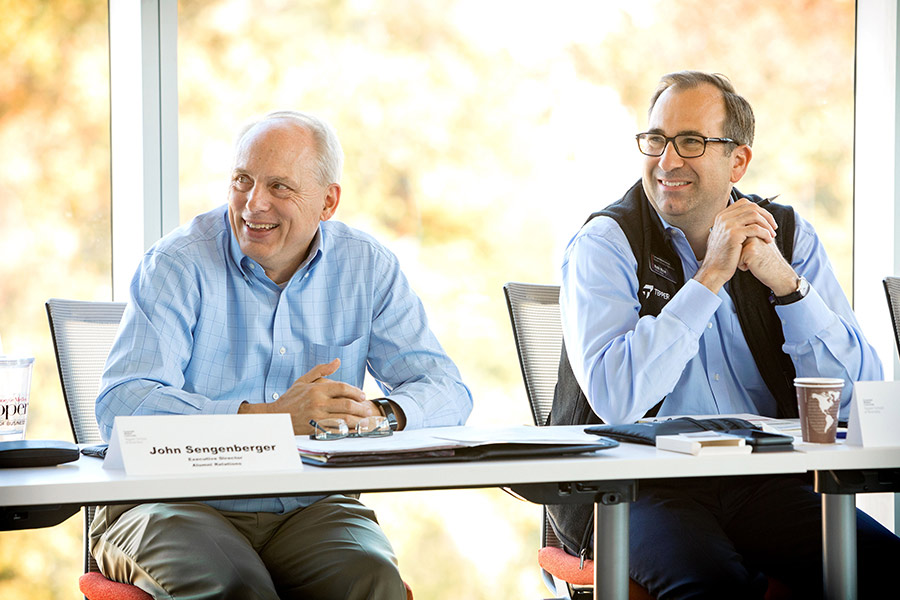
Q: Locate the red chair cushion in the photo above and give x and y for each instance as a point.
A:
(563, 565)
(777, 590)
(95, 586)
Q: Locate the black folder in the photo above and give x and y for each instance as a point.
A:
(485, 451)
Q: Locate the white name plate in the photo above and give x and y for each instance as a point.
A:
(194, 444)
(874, 414)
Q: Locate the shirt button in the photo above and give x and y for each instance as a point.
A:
(305, 276)
(709, 325)
(716, 377)
(252, 266)
(282, 350)
(274, 396)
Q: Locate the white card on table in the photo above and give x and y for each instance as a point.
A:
(874, 414)
(195, 444)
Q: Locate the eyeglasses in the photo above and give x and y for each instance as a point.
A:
(686, 145)
(336, 429)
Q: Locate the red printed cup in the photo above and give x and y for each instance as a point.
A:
(818, 400)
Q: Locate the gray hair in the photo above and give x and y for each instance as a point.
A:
(330, 160)
(739, 119)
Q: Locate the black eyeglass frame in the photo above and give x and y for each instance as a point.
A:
(674, 141)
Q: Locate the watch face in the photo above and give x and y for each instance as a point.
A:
(798, 294)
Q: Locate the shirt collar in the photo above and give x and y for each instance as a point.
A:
(671, 229)
(676, 237)
(314, 254)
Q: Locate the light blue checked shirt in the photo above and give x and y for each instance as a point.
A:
(205, 329)
(694, 353)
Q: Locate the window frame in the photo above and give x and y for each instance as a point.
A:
(143, 73)
(876, 172)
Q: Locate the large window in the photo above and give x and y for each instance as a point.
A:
(478, 137)
(54, 230)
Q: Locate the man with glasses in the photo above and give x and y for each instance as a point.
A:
(265, 305)
(687, 297)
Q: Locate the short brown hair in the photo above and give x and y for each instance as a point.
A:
(739, 120)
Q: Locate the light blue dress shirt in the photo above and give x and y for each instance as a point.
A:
(694, 353)
(205, 329)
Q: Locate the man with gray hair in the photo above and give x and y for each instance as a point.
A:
(267, 306)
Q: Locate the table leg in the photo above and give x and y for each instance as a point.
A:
(611, 551)
(611, 500)
(839, 545)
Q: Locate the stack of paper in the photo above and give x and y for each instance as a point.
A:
(703, 443)
(451, 444)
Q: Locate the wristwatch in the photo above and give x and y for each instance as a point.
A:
(798, 294)
(385, 405)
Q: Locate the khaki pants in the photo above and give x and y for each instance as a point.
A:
(331, 549)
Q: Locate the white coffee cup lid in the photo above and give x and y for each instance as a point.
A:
(15, 361)
(819, 381)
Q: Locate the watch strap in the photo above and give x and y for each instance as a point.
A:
(795, 296)
(385, 405)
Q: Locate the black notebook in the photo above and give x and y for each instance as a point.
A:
(646, 433)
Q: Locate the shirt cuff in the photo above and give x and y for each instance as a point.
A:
(805, 319)
(412, 412)
(227, 407)
(694, 305)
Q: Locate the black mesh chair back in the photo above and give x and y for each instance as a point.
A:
(83, 333)
(892, 290)
(534, 314)
(537, 329)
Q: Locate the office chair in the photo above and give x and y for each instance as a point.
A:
(83, 333)
(892, 291)
(537, 330)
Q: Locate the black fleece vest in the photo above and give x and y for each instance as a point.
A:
(660, 276)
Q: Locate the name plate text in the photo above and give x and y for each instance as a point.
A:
(874, 414)
(194, 444)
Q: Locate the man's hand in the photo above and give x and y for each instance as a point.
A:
(314, 396)
(733, 227)
(768, 265)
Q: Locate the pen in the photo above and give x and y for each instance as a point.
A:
(766, 201)
(762, 204)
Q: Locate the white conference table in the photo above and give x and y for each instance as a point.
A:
(572, 479)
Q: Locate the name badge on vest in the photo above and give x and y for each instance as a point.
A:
(663, 268)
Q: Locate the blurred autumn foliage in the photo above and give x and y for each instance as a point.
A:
(478, 135)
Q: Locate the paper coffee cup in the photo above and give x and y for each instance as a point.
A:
(818, 401)
(15, 386)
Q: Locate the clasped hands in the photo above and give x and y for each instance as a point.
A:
(743, 237)
(314, 396)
